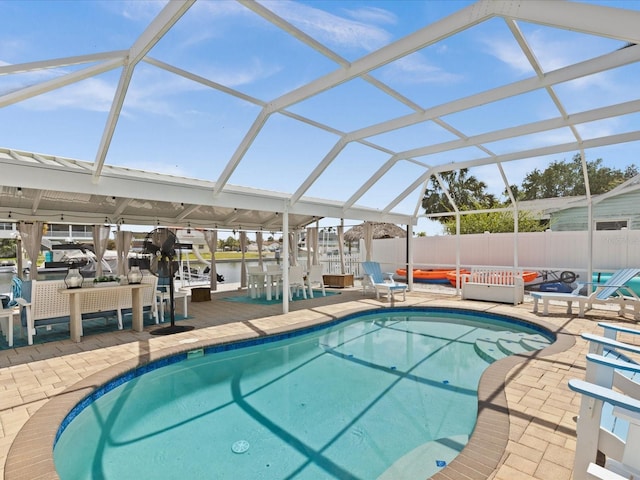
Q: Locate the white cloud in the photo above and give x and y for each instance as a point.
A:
(151, 91)
(96, 94)
(91, 94)
(550, 52)
(218, 9)
(373, 15)
(332, 29)
(11, 48)
(253, 69)
(136, 10)
(508, 52)
(210, 19)
(415, 69)
(601, 128)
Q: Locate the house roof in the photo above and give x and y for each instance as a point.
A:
(379, 167)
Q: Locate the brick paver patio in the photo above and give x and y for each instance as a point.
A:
(526, 423)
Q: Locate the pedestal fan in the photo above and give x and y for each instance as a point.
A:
(162, 246)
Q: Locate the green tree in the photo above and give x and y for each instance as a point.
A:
(229, 244)
(564, 179)
(7, 248)
(494, 222)
(466, 190)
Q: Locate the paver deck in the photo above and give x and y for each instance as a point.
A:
(526, 424)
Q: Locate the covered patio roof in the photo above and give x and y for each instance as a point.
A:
(330, 164)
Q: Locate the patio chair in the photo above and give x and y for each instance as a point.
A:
(612, 380)
(150, 299)
(314, 277)
(255, 281)
(296, 281)
(609, 385)
(373, 275)
(614, 291)
(163, 296)
(274, 277)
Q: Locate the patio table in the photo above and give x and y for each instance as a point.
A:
(75, 317)
(266, 278)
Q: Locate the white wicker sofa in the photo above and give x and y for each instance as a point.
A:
(43, 305)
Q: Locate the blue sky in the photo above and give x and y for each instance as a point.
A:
(172, 125)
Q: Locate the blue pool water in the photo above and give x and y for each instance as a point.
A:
(357, 400)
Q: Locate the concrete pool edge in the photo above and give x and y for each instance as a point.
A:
(31, 454)
(487, 444)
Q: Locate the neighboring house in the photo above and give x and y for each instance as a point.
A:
(571, 213)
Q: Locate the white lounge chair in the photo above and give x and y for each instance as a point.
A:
(614, 291)
(374, 276)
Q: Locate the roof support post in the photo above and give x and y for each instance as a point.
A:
(285, 259)
(410, 256)
(516, 226)
(458, 240)
(587, 189)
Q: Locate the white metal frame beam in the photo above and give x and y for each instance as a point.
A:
(405, 46)
(160, 25)
(59, 82)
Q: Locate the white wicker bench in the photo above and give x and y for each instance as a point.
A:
(46, 306)
(501, 285)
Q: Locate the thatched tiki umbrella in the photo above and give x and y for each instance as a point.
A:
(379, 230)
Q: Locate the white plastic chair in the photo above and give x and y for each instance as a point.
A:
(255, 281)
(296, 281)
(314, 277)
(274, 275)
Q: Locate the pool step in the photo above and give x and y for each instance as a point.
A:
(488, 350)
(497, 345)
(532, 344)
(511, 347)
(426, 460)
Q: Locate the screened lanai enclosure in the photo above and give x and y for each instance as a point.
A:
(278, 115)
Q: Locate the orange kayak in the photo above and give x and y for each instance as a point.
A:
(451, 275)
(437, 275)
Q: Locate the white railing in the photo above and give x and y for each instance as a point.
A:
(331, 264)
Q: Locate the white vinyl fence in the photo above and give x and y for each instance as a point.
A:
(612, 249)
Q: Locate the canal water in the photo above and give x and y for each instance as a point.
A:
(230, 270)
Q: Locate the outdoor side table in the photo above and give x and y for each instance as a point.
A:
(6, 323)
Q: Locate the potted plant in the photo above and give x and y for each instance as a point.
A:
(106, 281)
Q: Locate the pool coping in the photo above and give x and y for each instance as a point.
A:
(31, 454)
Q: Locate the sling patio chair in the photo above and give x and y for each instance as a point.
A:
(615, 290)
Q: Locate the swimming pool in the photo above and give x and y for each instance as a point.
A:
(362, 398)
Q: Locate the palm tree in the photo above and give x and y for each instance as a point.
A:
(466, 190)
